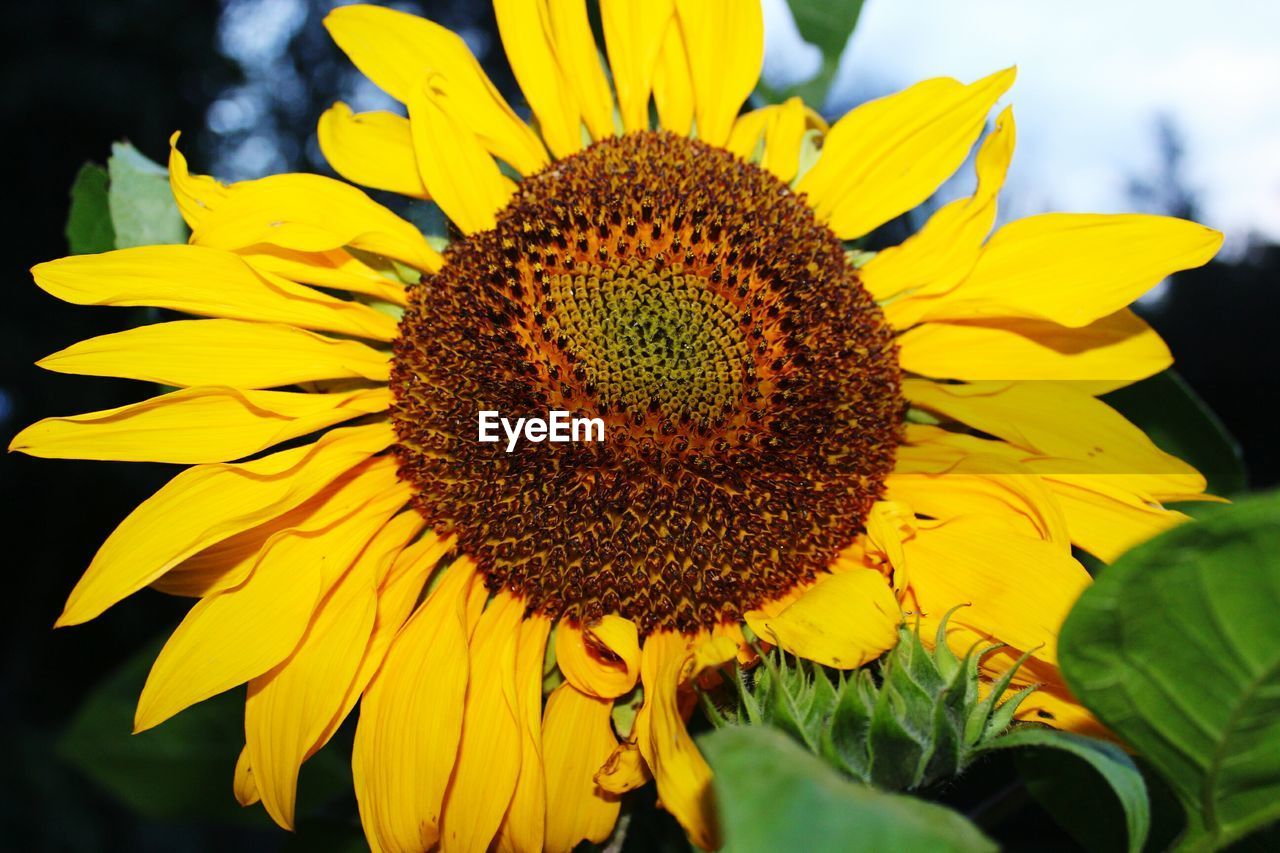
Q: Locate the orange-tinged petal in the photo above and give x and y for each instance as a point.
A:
(842, 621)
(889, 155)
(210, 503)
(397, 50)
(1018, 588)
(672, 88)
(1053, 419)
(525, 28)
(600, 660)
(463, 179)
(291, 708)
(233, 636)
(669, 662)
(411, 719)
(724, 41)
(580, 62)
(941, 254)
(206, 282)
(489, 753)
(633, 36)
(624, 770)
(373, 149)
(1109, 353)
(524, 825)
(187, 353)
(1074, 268)
(577, 739)
(195, 425)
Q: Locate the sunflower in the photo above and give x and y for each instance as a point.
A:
(803, 439)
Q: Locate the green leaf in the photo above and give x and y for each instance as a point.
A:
(1176, 647)
(1111, 763)
(826, 24)
(183, 768)
(143, 211)
(1179, 422)
(773, 795)
(89, 229)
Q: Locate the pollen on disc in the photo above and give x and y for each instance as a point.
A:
(748, 384)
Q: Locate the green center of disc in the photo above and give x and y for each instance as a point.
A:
(650, 340)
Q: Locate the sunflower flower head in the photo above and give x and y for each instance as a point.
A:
(798, 437)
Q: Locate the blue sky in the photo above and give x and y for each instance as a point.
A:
(1092, 77)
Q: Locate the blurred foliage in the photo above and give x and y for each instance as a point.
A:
(827, 25)
(1176, 647)
(143, 212)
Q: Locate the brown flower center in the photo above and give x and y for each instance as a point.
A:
(748, 386)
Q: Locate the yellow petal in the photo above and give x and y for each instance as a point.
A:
(208, 504)
(201, 197)
(842, 621)
(208, 283)
(187, 353)
(311, 213)
(889, 524)
(782, 140)
(525, 28)
(195, 195)
(670, 662)
(577, 740)
(397, 51)
(1106, 518)
(985, 485)
(374, 149)
(463, 179)
(672, 88)
(745, 138)
(888, 155)
(580, 63)
(633, 35)
(600, 660)
(236, 635)
(524, 825)
(489, 753)
(228, 563)
(1106, 513)
(1107, 354)
(291, 709)
(724, 40)
(336, 268)
(1053, 419)
(194, 425)
(1074, 268)
(401, 581)
(941, 254)
(1017, 588)
(411, 718)
(244, 786)
(624, 770)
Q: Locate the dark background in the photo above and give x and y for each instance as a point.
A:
(77, 76)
